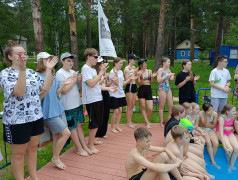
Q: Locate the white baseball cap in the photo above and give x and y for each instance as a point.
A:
(44, 55)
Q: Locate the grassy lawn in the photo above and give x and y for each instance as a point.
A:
(199, 68)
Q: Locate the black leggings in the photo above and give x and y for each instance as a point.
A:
(102, 129)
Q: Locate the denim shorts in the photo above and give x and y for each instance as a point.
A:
(56, 124)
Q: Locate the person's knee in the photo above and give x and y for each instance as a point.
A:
(142, 107)
(32, 148)
(66, 132)
(115, 111)
(208, 142)
(18, 155)
(149, 110)
(215, 143)
(56, 136)
(161, 106)
(235, 148)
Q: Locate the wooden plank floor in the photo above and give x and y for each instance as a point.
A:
(109, 164)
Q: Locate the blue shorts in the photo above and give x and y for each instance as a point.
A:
(56, 124)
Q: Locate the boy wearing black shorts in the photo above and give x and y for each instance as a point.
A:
(91, 94)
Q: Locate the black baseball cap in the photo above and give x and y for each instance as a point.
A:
(132, 56)
(141, 61)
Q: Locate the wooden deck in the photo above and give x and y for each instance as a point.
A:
(109, 164)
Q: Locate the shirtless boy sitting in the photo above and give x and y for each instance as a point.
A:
(136, 160)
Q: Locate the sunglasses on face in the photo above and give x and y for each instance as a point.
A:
(95, 57)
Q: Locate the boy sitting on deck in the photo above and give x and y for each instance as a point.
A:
(136, 159)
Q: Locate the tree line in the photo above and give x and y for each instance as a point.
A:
(148, 28)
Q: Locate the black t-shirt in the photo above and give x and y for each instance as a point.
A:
(171, 123)
(187, 92)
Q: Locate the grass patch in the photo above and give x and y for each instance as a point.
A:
(199, 68)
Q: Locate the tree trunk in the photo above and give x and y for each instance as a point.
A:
(173, 41)
(37, 24)
(108, 13)
(218, 37)
(160, 39)
(191, 57)
(218, 41)
(73, 34)
(125, 45)
(155, 34)
(56, 40)
(89, 39)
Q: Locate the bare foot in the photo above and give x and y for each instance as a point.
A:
(105, 137)
(211, 176)
(162, 125)
(96, 139)
(58, 163)
(131, 126)
(148, 126)
(87, 150)
(97, 142)
(114, 130)
(82, 152)
(94, 150)
(231, 168)
(216, 166)
(119, 129)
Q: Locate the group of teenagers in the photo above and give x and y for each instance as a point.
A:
(31, 102)
(187, 130)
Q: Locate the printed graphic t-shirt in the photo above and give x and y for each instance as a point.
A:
(20, 110)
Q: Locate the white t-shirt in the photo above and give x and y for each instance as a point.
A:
(119, 93)
(219, 77)
(90, 95)
(20, 110)
(71, 99)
